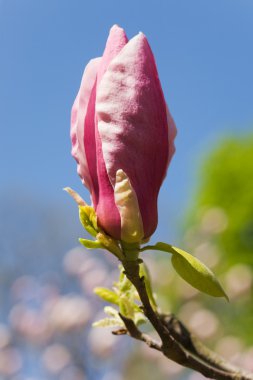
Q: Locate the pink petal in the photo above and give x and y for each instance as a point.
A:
(117, 39)
(132, 124)
(78, 116)
(107, 212)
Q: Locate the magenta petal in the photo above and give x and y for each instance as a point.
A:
(172, 134)
(78, 115)
(132, 124)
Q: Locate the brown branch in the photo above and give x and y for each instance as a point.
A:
(190, 342)
(133, 331)
(177, 343)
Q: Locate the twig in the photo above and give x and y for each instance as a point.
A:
(190, 342)
(177, 343)
(135, 333)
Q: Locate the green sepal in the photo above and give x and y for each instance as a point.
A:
(88, 219)
(110, 244)
(192, 270)
(91, 244)
(107, 295)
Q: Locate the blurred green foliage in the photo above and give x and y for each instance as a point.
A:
(218, 229)
(226, 182)
(222, 217)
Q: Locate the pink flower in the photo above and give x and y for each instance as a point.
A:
(122, 136)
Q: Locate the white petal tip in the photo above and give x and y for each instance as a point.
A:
(127, 203)
(77, 198)
(120, 175)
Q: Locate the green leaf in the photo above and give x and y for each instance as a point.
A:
(111, 311)
(158, 247)
(144, 272)
(126, 307)
(124, 285)
(107, 295)
(139, 319)
(192, 270)
(108, 322)
(196, 273)
(91, 244)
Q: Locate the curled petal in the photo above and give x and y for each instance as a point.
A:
(78, 115)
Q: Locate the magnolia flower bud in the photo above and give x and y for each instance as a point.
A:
(123, 136)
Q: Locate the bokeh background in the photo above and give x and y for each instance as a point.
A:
(204, 56)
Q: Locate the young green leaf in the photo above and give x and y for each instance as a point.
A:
(139, 319)
(111, 311)
(107, 295)
(192, 270)
(144, 272)
(196, 273)
(123, 284)
(91, 244)
(108, 322)
(126, 307)
(164, 247)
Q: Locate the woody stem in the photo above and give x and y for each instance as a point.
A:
(177, 343)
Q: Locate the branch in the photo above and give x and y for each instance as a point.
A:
(177, 343)
(191, 343)
(133, 331)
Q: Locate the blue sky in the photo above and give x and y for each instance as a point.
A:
(204, 55)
